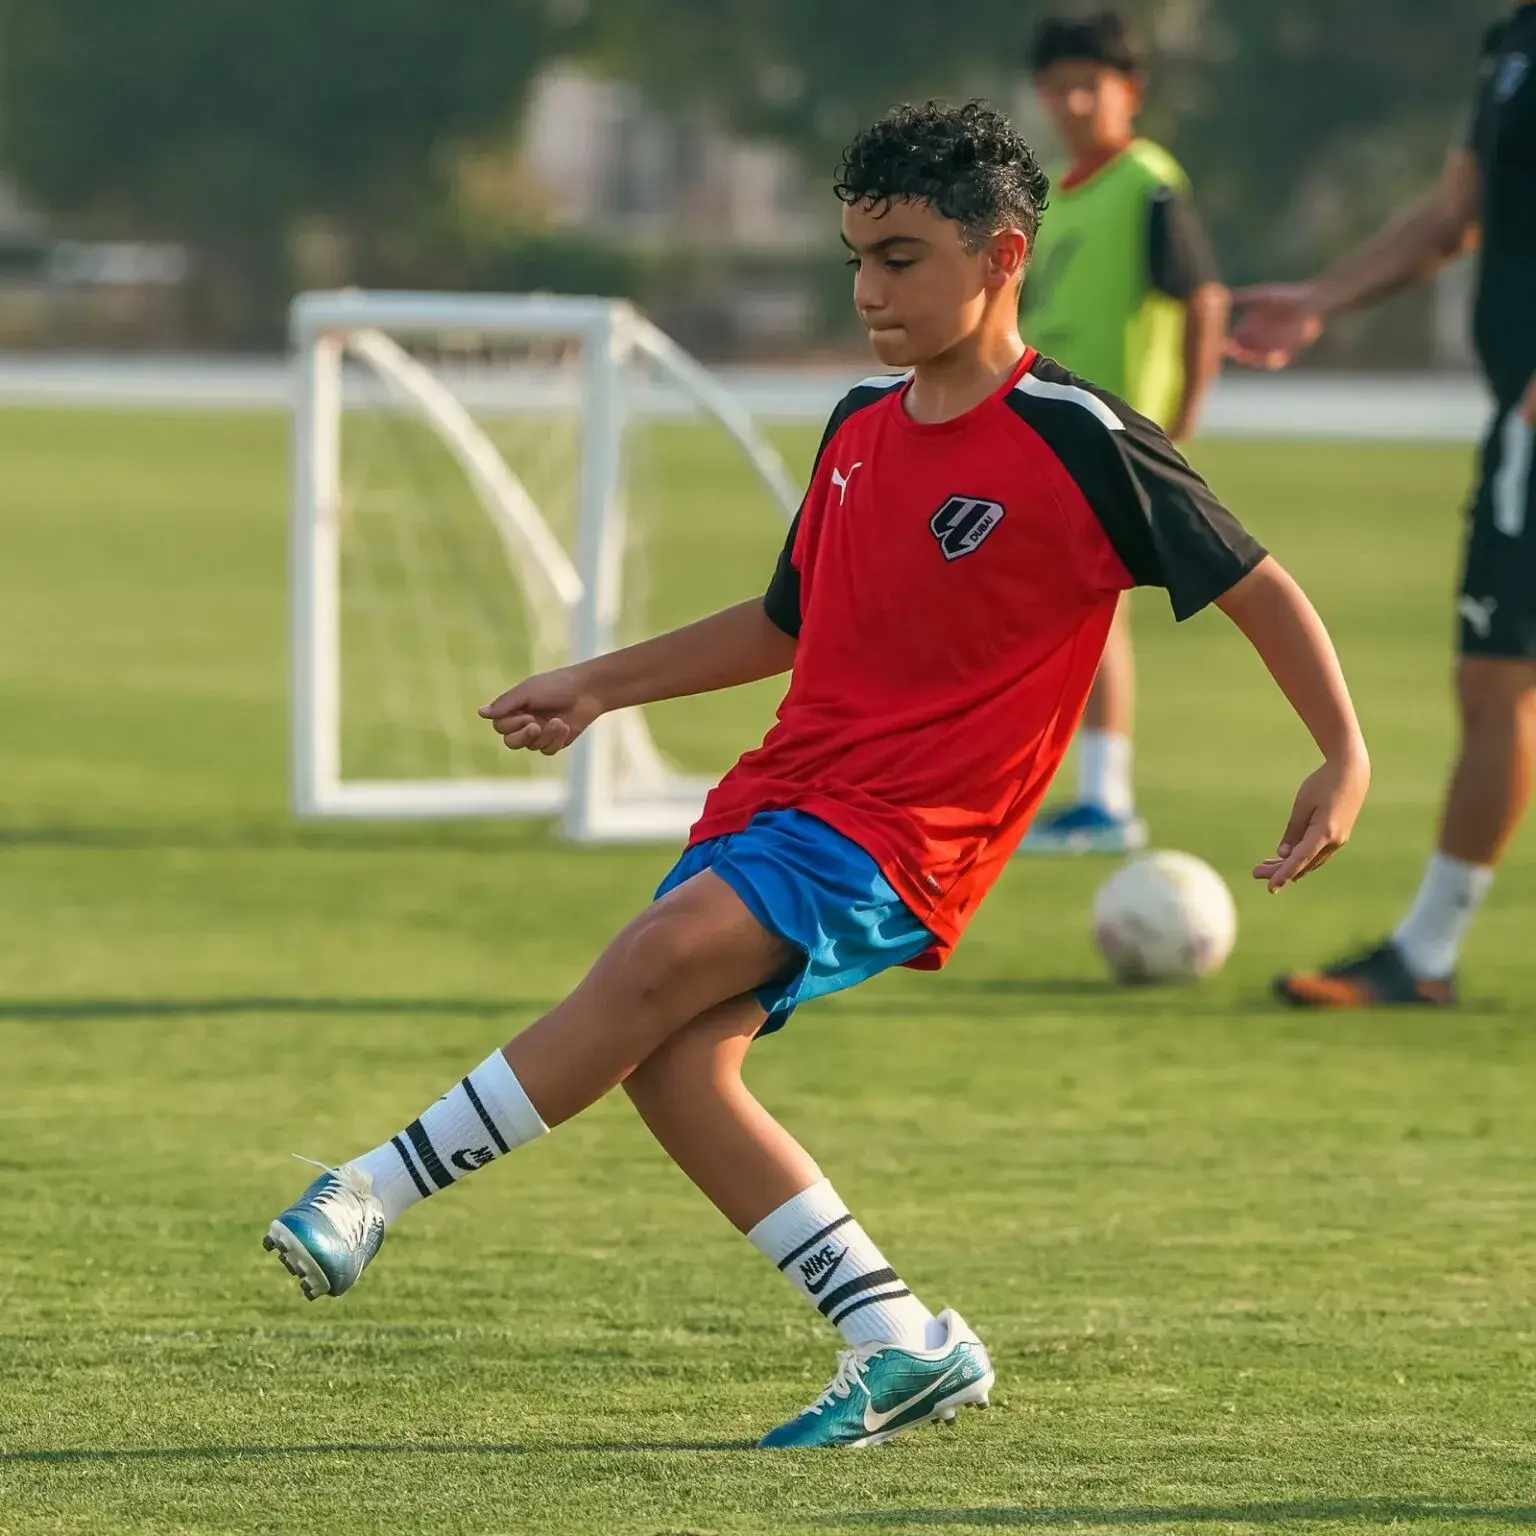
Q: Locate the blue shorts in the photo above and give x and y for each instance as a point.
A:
(817, 890)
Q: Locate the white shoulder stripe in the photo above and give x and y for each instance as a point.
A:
(1089, 401)
(883, 381)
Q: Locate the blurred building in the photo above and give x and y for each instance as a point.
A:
(84, 292)
(612, 163)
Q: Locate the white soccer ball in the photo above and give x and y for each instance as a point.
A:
(1164, 917)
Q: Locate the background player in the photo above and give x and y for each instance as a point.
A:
(1124, 290)
(1489, 181)
(943, 600)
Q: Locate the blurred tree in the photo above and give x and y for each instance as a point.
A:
(1304, 122)
(808, 72)
(1301, 120)
(226, 123)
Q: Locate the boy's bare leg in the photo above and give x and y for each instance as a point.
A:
(1111, 705)
(1102, 817)
(691, 1095)
(695, 948)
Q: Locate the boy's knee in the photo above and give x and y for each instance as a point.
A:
(654, 957)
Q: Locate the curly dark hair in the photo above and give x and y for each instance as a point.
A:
(967, 162)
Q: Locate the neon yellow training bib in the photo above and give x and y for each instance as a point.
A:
(1088, 297)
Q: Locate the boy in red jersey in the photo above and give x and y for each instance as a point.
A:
(942, 602)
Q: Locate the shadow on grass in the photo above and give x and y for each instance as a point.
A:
(365, 1448)
(462, 836)
(1375, 1510)
(1049, 986)
(53, 1010)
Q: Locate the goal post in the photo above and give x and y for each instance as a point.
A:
(460, 516)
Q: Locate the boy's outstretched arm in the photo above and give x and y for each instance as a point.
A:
(737, 645)
(1284, 628)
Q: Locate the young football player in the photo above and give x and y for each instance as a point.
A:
(941, 604)
(1123, 289)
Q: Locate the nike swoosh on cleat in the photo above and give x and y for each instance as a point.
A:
(819, 1284)
(874, 1421)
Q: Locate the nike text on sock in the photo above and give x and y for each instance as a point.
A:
(829, 1258)
(478, 1119)
(1430, 937)
(1104, 772)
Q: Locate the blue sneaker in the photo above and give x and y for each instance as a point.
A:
(1085, 829)
(327, 1237)
(881, 1389)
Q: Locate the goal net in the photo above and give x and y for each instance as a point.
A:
(486, 487)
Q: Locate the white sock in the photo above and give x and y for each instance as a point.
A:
(471, 1125)
(1429, 938)
(830, 1260)
(1104, 772)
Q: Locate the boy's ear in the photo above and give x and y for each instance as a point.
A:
(1007, 255)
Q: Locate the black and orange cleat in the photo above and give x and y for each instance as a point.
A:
(1378, 979)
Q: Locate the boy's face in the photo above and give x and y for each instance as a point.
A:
(1092, 106)
(917, 288)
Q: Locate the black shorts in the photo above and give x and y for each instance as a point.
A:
(1498, 584)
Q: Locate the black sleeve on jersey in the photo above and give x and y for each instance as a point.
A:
(1180, 257)
(781, 601)
(1163, 520)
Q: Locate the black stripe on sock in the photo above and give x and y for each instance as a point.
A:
(480, 1109)
(410, 1167)
(865, 1301)
(811, 1242)
(428, 1155)
(833, 1299)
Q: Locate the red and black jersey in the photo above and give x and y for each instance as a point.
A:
(952, 587)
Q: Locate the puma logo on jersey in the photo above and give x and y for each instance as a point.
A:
(840, 480)
(963, 522)
(1479, 612)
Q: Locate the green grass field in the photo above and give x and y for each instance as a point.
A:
(1239, 1269)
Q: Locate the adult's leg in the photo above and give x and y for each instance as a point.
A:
(1489, 792)
(1496, 694)
(1491, 785)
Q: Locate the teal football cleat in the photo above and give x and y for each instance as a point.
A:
(328, 1236)
(882, 1389)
